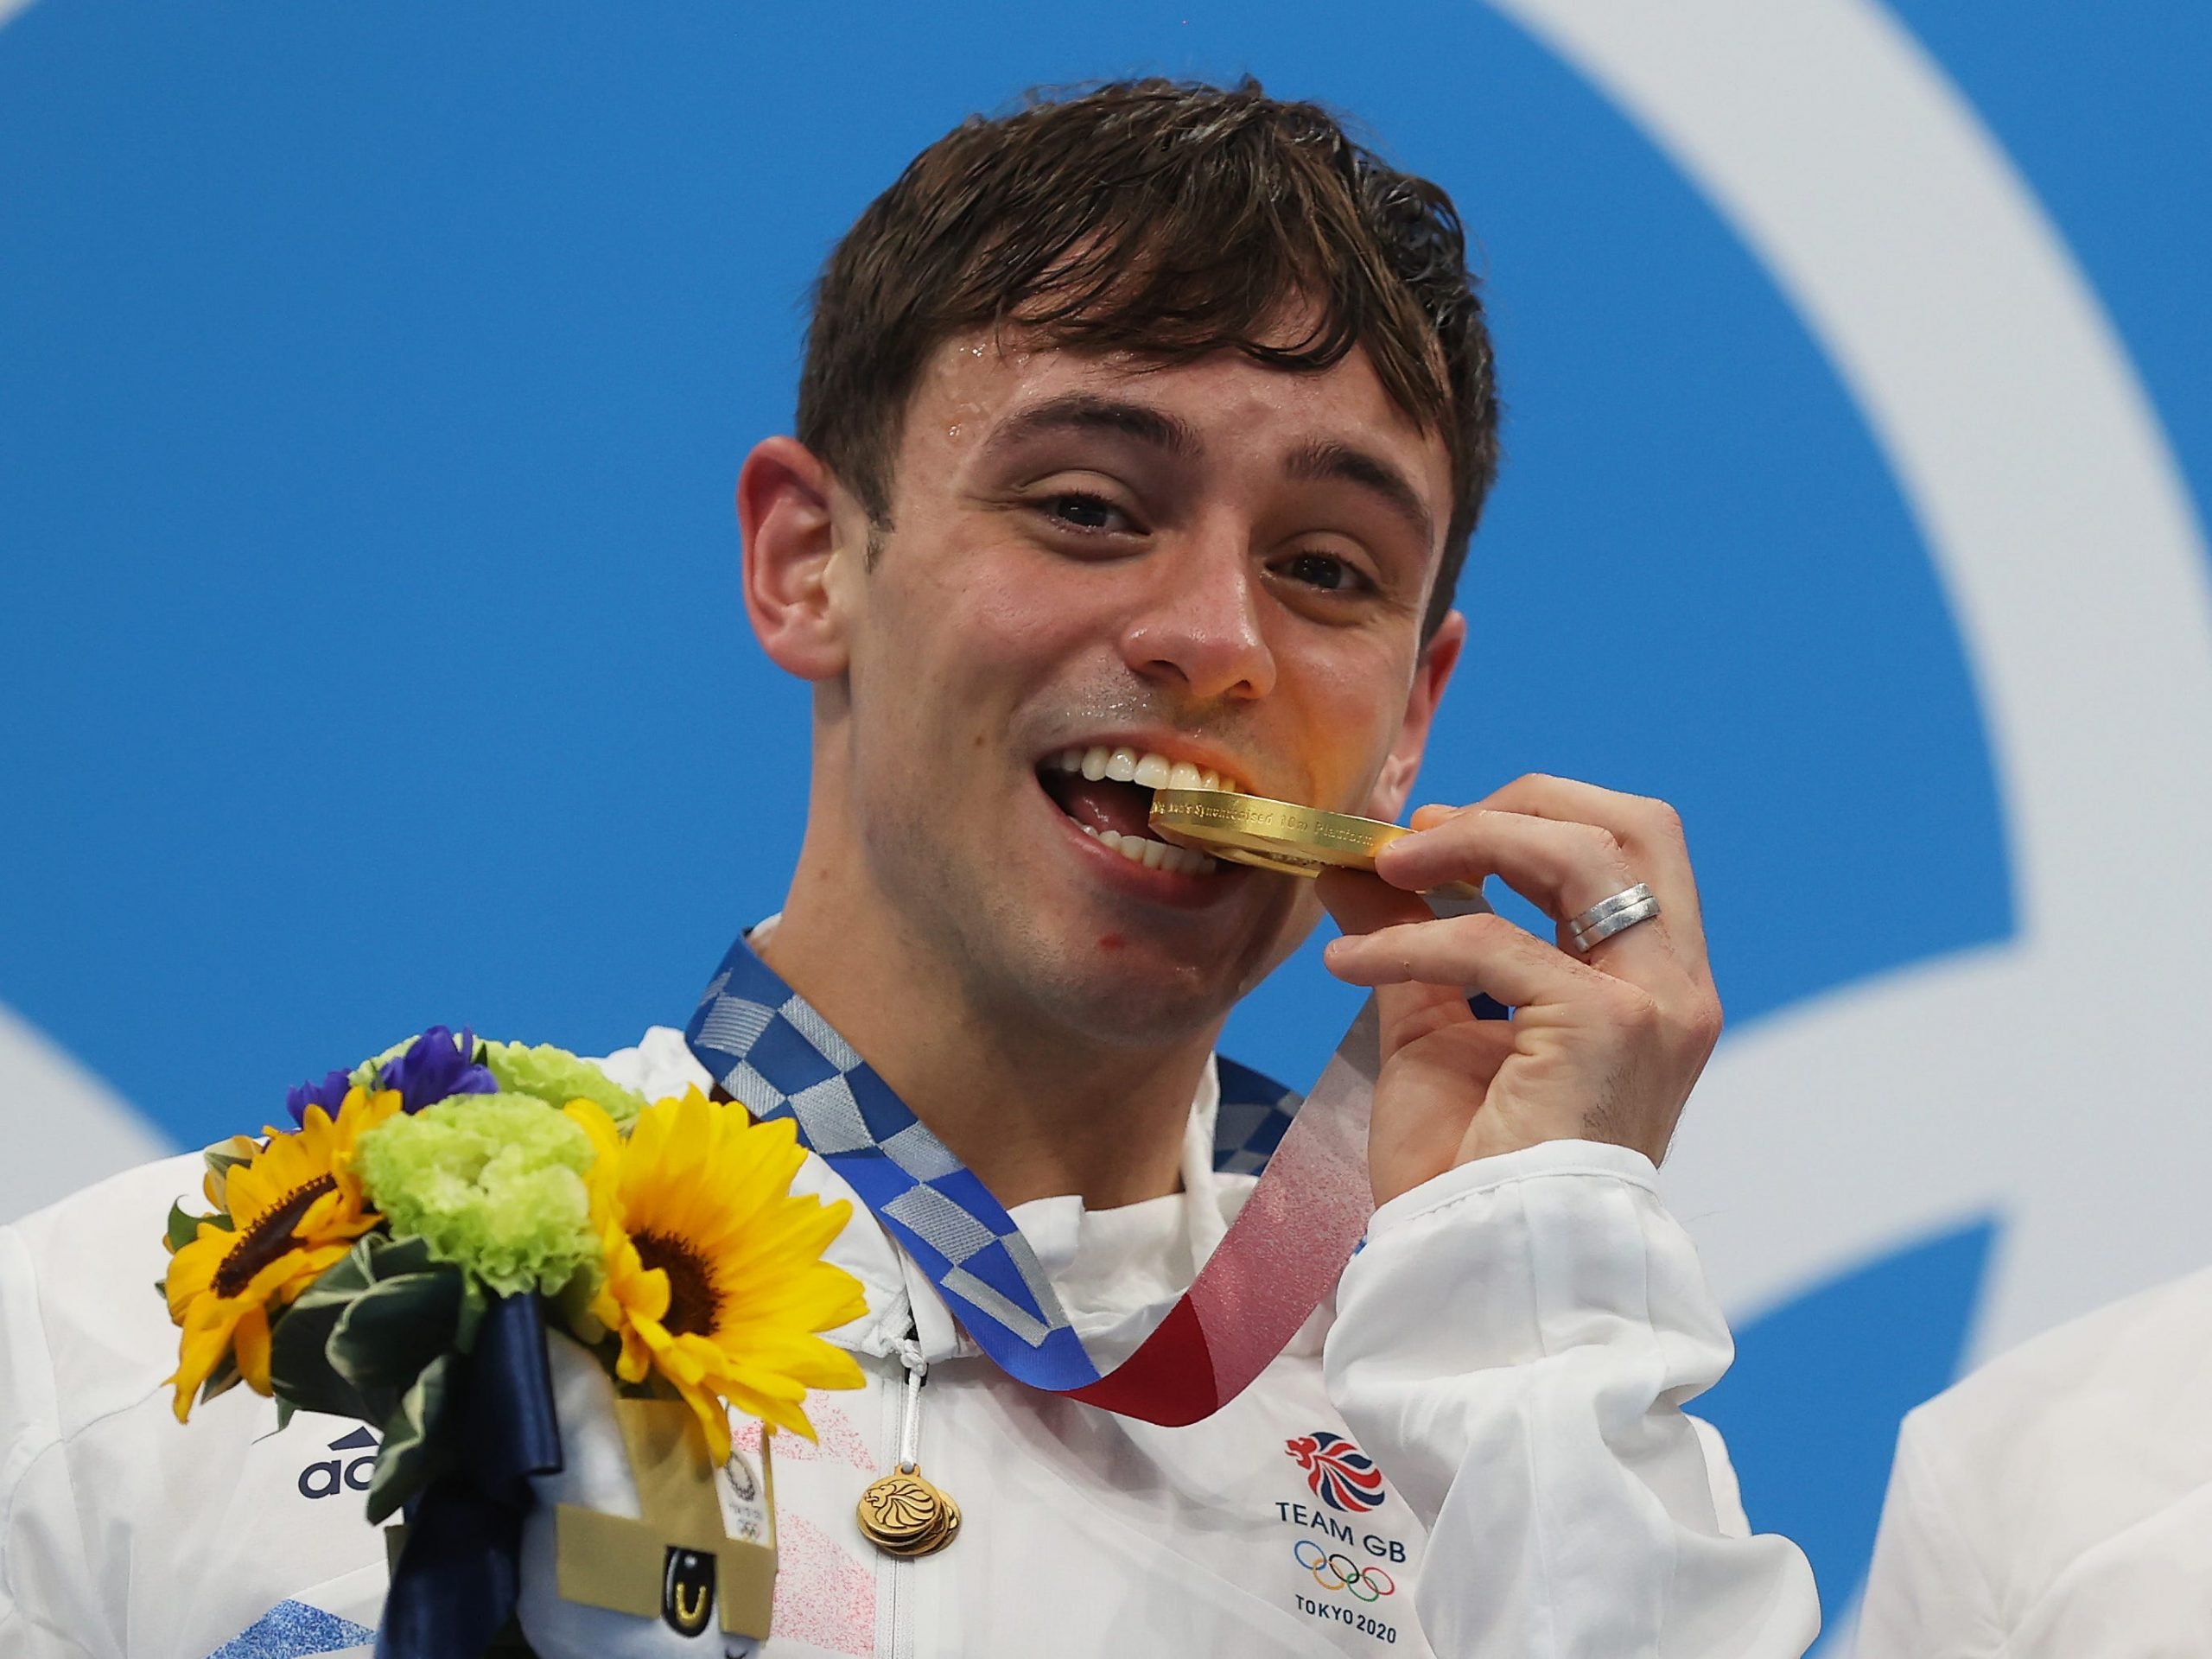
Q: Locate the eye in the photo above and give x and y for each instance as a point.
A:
(1078, 511)
(1325, 571)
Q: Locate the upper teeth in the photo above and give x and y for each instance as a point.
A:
(1153, 771)
(1148, 767)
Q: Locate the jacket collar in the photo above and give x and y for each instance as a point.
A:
(1118, 1271)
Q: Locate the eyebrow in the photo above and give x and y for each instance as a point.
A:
(1325, 461)
(1087, 411)
(1331, 460)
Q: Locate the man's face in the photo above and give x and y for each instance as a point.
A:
(1220, 564)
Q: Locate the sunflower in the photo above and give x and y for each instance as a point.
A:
(295, 1206)
(714, 1271)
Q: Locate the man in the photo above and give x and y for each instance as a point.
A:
(1140, 439)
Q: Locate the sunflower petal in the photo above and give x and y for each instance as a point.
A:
(201, 1350)
(710, 1184)
(225, 1324)
(250, 1341)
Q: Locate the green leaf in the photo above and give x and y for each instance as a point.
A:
(220, 1161)
(414, 1453)
(300, 1372)
(389, 1332)
(299, 1368)
(220, 1380)
(183, 1228)
(377, 1337)
(316, 1368)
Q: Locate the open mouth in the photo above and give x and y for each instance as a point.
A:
(1108, 791)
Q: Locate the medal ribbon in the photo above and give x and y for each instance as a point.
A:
(769, 1048)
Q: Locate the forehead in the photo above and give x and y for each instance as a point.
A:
(978, 384)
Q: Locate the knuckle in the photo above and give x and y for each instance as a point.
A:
(1488, 929)
(1638, 1011)
(1661, 819)
(1602, 844)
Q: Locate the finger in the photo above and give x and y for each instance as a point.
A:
(1436, 1090)
(1649, 830)
(1363, 904)
(1563, 868)
(1484, 951)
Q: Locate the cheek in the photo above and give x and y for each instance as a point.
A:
(1352, 705)
(1027, 607)
(974, 583)
(957, 649)
(1001, 618)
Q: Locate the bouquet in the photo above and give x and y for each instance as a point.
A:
(511, 1265)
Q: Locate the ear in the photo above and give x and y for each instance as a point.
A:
(1438, 658)
(789, 512)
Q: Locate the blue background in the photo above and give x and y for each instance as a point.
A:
(371, 388)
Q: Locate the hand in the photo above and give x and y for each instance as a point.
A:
(1601, 1048)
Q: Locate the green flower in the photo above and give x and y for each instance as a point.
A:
(556, 1076)
(493, 1183)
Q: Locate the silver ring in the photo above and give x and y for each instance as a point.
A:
(1611, 916)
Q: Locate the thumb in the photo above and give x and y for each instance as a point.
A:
(1362, 903)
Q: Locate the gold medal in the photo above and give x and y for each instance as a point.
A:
(1278, 835)
(904, 1515)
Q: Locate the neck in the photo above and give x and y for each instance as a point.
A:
(1035, 1109)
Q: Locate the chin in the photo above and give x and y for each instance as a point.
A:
(1123, 995)
(1131, 1011)
(1047, 946)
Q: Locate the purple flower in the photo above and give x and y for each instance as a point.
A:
(436, 1067)
(329, 1094)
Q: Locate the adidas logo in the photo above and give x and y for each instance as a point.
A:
(327, 1478)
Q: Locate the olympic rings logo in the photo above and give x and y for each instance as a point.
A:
(1339, 1572)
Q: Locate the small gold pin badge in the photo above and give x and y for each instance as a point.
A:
(904, 1515)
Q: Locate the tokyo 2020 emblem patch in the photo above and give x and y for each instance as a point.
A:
(1341, 1475)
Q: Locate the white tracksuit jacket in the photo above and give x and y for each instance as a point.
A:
(2058, 1502)
(1512, 1346)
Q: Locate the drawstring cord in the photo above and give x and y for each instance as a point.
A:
(910, 1426)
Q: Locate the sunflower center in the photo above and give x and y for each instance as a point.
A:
(266, 1239)
(693, 1301)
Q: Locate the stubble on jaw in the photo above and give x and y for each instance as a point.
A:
(1027, 979)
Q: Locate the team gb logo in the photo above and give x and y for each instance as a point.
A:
(1341, 1475)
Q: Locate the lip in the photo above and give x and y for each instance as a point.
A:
(1125, 876)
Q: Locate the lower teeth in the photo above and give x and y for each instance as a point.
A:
(1153, 854)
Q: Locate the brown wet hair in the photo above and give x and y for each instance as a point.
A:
(1169, 220)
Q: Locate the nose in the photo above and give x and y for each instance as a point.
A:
(1199, 631)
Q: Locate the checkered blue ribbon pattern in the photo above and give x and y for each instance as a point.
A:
(770, 1049)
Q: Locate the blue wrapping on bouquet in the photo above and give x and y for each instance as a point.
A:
(456, 1583)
